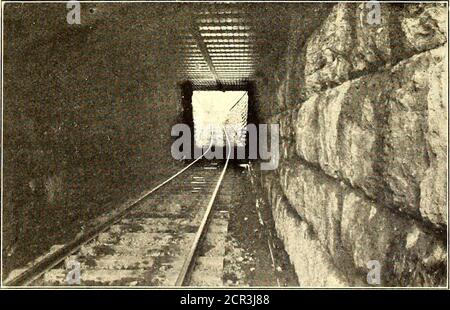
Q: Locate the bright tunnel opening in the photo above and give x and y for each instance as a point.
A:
(214, 111)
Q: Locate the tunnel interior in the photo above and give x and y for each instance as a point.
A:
(354, 94)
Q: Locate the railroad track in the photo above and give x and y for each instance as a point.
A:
(170, 236)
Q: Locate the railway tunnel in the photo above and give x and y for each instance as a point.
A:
(358, 96)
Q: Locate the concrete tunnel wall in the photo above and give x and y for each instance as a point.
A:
(363, 119)
(88, 111)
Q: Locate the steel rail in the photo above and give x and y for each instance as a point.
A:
(39, 268)
(188, 265)
(49, 262)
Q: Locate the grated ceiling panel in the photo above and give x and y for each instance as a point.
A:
(219, 48)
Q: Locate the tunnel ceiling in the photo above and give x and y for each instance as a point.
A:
(222, 43)
(216, 46)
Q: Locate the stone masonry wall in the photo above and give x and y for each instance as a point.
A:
(363, 121)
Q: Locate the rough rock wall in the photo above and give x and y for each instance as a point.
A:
(87, 116)
(363, 122)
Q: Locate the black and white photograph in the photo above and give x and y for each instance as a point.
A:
(238, 145)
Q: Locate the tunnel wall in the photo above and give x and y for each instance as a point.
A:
(362, 111)
(88, 111)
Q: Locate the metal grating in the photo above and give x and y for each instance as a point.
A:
(218, 49)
